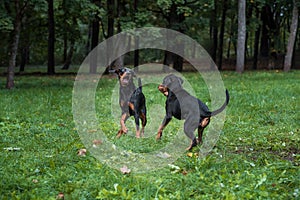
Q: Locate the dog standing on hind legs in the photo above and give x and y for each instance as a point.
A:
(132, 101)
(181, 105)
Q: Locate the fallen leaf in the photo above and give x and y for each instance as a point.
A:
(35, 181)
(125, 170)
(184, 172)
(60, 196)
(81, 152)
(97, 143)
(190, 154)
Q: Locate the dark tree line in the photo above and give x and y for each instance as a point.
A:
(252, 34)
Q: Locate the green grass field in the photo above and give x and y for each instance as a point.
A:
(256, 157)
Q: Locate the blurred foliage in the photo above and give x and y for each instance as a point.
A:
(73, 18)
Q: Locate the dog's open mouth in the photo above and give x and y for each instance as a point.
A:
(125, 80)
(163, 89)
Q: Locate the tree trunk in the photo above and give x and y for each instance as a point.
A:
(256, 42)
(51, 39)
(110, 17)
(110, 33)
(69, 55)
(221, 36)
(214, 32)
(88, 43)
(231, 35)
(24, 57)
(240, 60)
(65, 52)
(177, 59)
(14, 47)
(175, 20)
(94, 43)
(268, 25)
(65, 33)
(136, 51)
(292, 38)
(120, 44)
(136, 40)
(24, 45)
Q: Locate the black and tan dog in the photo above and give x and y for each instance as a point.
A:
(182, 105)
(132, 101)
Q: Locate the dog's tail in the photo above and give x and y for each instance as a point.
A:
(140, 84)
(223, 106)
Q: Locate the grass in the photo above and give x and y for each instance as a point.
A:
(256, 157)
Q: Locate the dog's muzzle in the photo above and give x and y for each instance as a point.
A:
(125, 79)
(163, 89)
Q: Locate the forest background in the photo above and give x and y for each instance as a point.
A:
(239, 35)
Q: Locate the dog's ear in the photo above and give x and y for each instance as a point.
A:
(180, 80)
(134, 74)
(131, 71)
(112, 71)
(177, 78)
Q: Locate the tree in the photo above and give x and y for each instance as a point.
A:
(136, 39)
(240, 60)
(221, 36)
(69, 54)
(214, 31)
(20, 8)
(173, 12)
(24, 45)
(256, 40)
(120, 44)
(51, 38)
(292, 38)
(268, 24)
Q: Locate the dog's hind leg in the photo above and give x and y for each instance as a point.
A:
(190, 126)
(200, 133)
(137, 125)
(203, 123)
(144, 122)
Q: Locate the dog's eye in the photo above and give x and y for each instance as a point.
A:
(122, 71)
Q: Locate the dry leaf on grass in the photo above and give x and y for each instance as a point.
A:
(97, 143)
(184, 172)
(81, 152)
(35, 181)
(60, 196)
(190, 154)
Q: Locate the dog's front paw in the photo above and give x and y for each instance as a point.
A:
(158, 136)
(193, 144)
(124, 129)
(120, 133)
(199, 141)
(138, 134)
